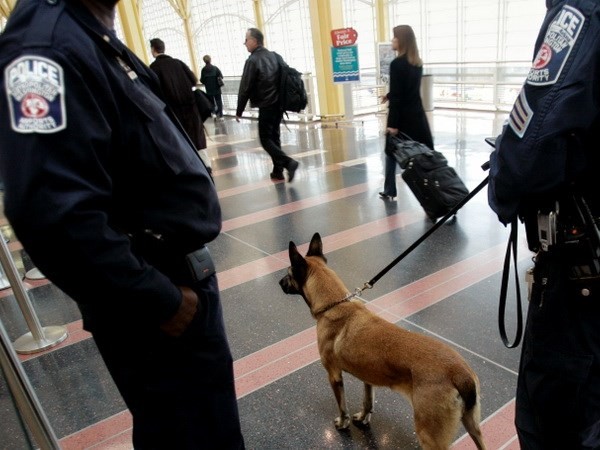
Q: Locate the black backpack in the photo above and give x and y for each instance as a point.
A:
(292, 94)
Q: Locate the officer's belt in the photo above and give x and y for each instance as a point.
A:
(185, 269)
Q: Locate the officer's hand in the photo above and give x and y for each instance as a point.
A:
(237, 118)
(392, 131)
(177, 324)
(383, 98)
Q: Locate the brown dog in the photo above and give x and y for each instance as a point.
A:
(441, 386)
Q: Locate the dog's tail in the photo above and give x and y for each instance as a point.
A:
(468, 389)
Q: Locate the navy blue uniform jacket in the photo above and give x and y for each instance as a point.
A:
(552, 135)
(88, 154)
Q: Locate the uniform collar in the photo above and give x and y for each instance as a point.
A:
(97, 30)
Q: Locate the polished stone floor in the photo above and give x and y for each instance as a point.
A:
(448, 288)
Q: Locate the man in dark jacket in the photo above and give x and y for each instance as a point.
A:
(114, 205)
(545, 171)
(260, 85)
(177, 81)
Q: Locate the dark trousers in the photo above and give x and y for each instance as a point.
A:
(217, 101)
(180, 391)
(558, 393)
(269, 121)
(389, 185)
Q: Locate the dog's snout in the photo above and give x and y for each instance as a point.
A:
(287, 285)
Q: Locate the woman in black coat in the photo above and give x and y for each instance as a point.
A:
(406, 113)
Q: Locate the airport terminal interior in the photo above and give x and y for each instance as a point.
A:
(448, 287)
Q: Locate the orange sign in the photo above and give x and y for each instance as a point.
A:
(343, 37)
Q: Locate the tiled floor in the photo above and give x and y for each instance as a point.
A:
(448, 287)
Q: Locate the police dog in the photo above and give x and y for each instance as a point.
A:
(441, 386)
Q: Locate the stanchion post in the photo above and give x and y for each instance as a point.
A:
(27, 402)
(38, 338)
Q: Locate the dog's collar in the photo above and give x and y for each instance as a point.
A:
(333, 305)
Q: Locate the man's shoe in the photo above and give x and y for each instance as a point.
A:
(277, 176)
(384, 196)
(292, 169)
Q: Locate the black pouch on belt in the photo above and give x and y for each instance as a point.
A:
(200, 264)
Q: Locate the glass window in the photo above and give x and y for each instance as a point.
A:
(219, 30)
(288, 32)
(360, 15)
(162, 21)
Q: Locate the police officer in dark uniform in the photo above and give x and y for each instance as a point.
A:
(113, 204)
(545, 171)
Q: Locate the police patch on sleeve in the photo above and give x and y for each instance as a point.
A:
(36, 95)
(561, 35)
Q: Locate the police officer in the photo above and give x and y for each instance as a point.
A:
(545, 170)
(113, 204)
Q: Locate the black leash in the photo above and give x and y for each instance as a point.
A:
(369, 284)
(511, 247)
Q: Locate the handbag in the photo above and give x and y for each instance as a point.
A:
(402, 148)
(204, 104)
(220, 81)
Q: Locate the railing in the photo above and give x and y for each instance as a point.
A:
(231, 88)
(491, 86)
(484, 85)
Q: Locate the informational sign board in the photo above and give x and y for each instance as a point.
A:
(345, 64)
(343, 37)
(385, 56)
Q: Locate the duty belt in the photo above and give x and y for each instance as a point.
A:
(181, 268)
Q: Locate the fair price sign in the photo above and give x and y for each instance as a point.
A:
(344, 55)
(343, 37)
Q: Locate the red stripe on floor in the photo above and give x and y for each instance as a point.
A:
(270, 213)
(75, 334)
(273, 263)
(98, 433)
(223, 193)
(498, 431)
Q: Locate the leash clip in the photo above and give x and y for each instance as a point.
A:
(359, 291)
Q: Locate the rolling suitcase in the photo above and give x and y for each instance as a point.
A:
(436, 185)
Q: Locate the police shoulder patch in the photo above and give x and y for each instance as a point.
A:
(35, 91)
(560, 38)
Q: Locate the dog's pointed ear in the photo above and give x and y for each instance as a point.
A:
(299, 264)
(296, 258)
(316, 246)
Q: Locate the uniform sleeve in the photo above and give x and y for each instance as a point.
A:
(60, 195)
(246, 84)
(542, 147)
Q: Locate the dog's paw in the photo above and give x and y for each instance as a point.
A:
(342, 422)
(361, 419)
